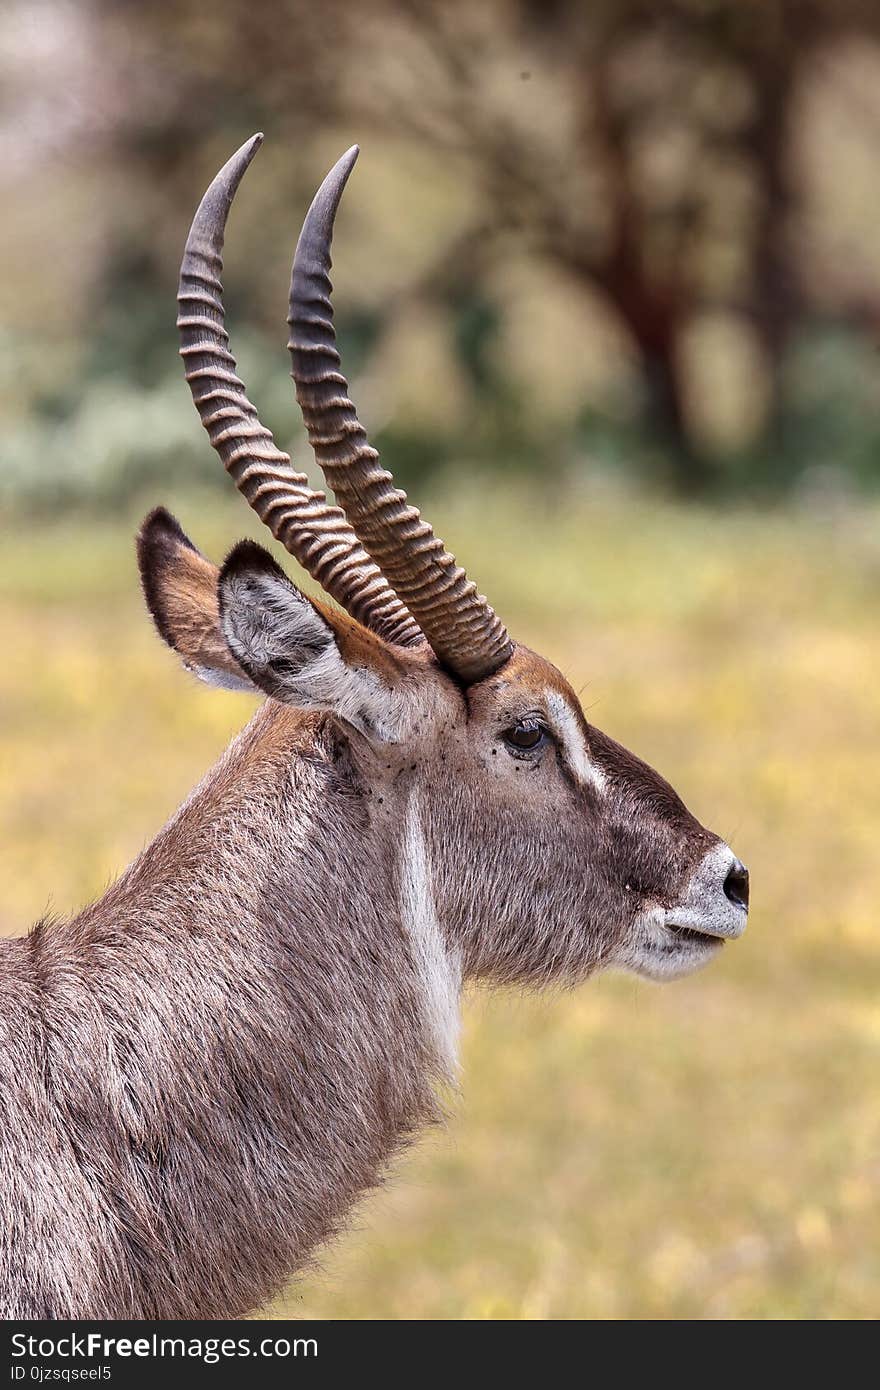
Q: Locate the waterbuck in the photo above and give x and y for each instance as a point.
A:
(203, 1071)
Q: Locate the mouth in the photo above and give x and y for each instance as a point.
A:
(677, 950)
(666, 950)
(683, 935)
(665, 943)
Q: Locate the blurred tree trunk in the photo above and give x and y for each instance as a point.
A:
(654, 317)
(775, 304)
(652, 306)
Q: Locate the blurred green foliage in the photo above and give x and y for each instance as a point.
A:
(611, 238)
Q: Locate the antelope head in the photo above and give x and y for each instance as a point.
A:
(538, 846)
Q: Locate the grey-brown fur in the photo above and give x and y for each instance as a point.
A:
(202, 1072)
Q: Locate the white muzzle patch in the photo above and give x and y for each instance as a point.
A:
(666, 943)
(706, 906)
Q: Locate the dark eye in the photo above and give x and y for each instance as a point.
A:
(525, 736)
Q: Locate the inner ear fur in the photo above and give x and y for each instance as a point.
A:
(180, 590)
(303, 651)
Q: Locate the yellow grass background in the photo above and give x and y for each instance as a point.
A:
(709, 1148)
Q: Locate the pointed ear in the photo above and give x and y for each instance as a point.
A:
(305, 653)
(180, 588)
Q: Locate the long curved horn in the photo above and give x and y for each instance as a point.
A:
(317, 534)
(462, 629)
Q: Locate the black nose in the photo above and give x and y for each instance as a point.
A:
(736, 885)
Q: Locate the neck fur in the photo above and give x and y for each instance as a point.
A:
(224, 1052)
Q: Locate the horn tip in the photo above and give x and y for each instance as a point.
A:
(214, 207)
(338, 176)
(250, 147)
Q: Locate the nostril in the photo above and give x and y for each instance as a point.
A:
(736, 885)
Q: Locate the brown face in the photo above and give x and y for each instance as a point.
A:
(561, 851)
(547, 850)
(554, 850)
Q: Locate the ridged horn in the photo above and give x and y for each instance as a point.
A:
(462, 629)
(317, 534)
